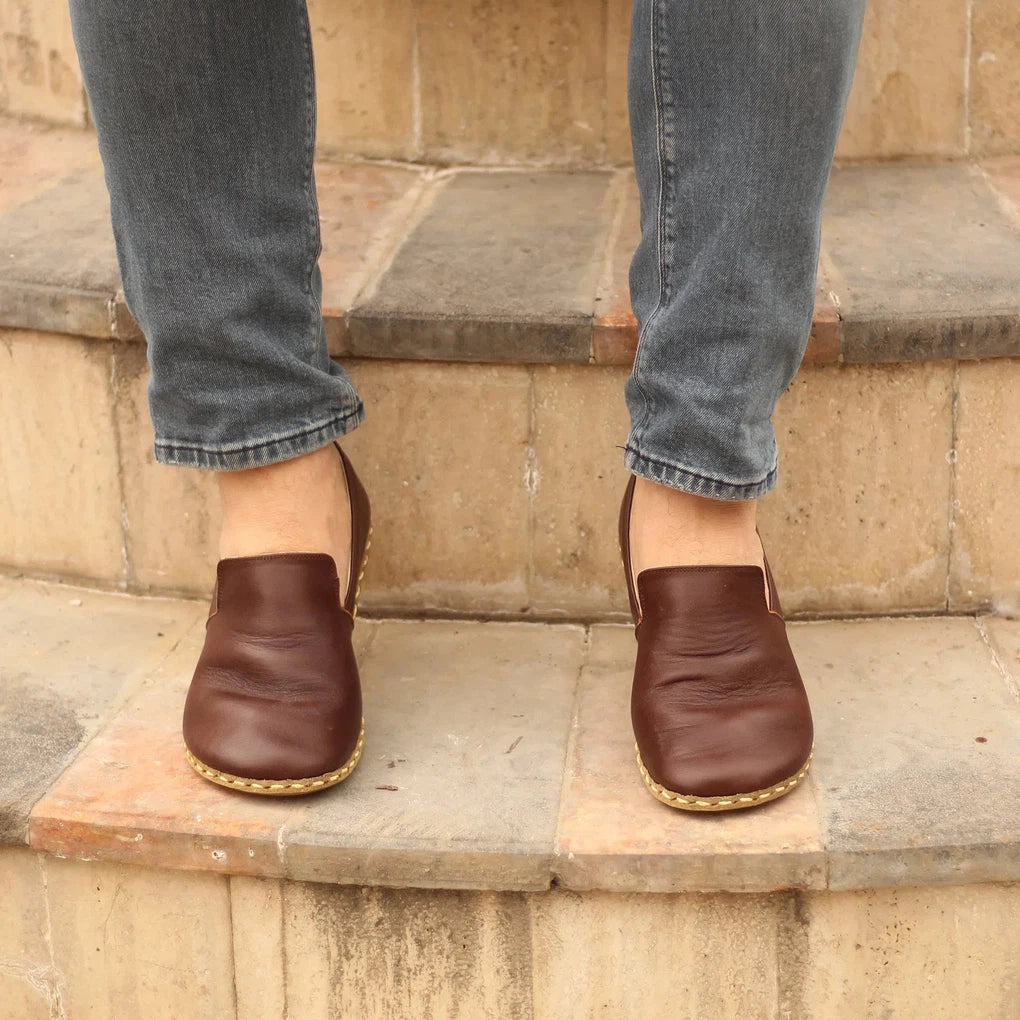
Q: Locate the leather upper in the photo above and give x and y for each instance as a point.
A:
(276, 692)
(718, 705)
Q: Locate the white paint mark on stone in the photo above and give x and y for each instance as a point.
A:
(219, 855)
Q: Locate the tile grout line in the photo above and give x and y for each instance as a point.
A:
(127, 580)
(405, 215)
(233, 956)
(953, 457)
(968, 47)
(616, 198)
(568, 755)
(56, 1004)
(1004, 671)
(531, 484)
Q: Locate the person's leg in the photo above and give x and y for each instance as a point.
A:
(735, 109)
(205, 115)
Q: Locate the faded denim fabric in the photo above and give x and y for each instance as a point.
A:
(206, 121)
(735, 106)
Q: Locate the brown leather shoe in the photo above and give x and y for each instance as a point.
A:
(719, 709)
(275, 703)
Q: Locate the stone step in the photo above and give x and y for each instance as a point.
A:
(898, 460)
(532, 82)
(495, 850)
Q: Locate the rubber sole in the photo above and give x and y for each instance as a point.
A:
(731, 802)
(280, 787)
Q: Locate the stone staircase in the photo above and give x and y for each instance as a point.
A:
(495, 853)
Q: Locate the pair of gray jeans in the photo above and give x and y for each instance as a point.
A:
(205, 115)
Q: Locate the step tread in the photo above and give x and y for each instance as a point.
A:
(531, 265)
(510, 749)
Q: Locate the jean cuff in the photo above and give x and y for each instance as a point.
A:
(239, 456)
(685, 480)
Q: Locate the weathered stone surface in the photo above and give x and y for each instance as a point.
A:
(917, 752)
(1003, 174)
(362, 211)
(29, 985)
(938, 953)
(636, 957)
(365, 78)
(1004, 642)
(617, 120)
(503, 267)
(577, 479)
(945, 288)
(409, 952)
(69, 657)
(459, 784)
(256, 917)
(33, 157)
(171, 514)
(39, 75)
(60, 496)
(985, 561)
(517, 82)
(859, 519)
(614, 835)
(443, 453)
(59, 270)
(994, 99)
(908, 96)
(127, 943)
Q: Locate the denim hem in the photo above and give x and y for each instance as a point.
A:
(689, 481)
(258, 454)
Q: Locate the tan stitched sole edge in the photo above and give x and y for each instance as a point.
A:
(733, 802)
(280, 787)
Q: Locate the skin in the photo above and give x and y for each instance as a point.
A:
(298, 505)
(301, 505)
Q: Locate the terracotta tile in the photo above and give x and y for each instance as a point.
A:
(985, 558)
(364, 76)
(33, 157)
(39, 67)
(61, 502)
(511, 82)
(614, 835)
(131, 797)
(29, 985)
(69, 659)
(994, 95)
(466, 730)
(908, 92)
(939, 953)
(360, 206)
(859, 519)
(444, 455)
(475, 281)
(711, 957)
(126, 945)
(893, 238)
(577, 480)
(912, 718)
(171, 514)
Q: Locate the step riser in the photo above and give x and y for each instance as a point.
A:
(109, 940)
(534, 82)
(496, 487)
